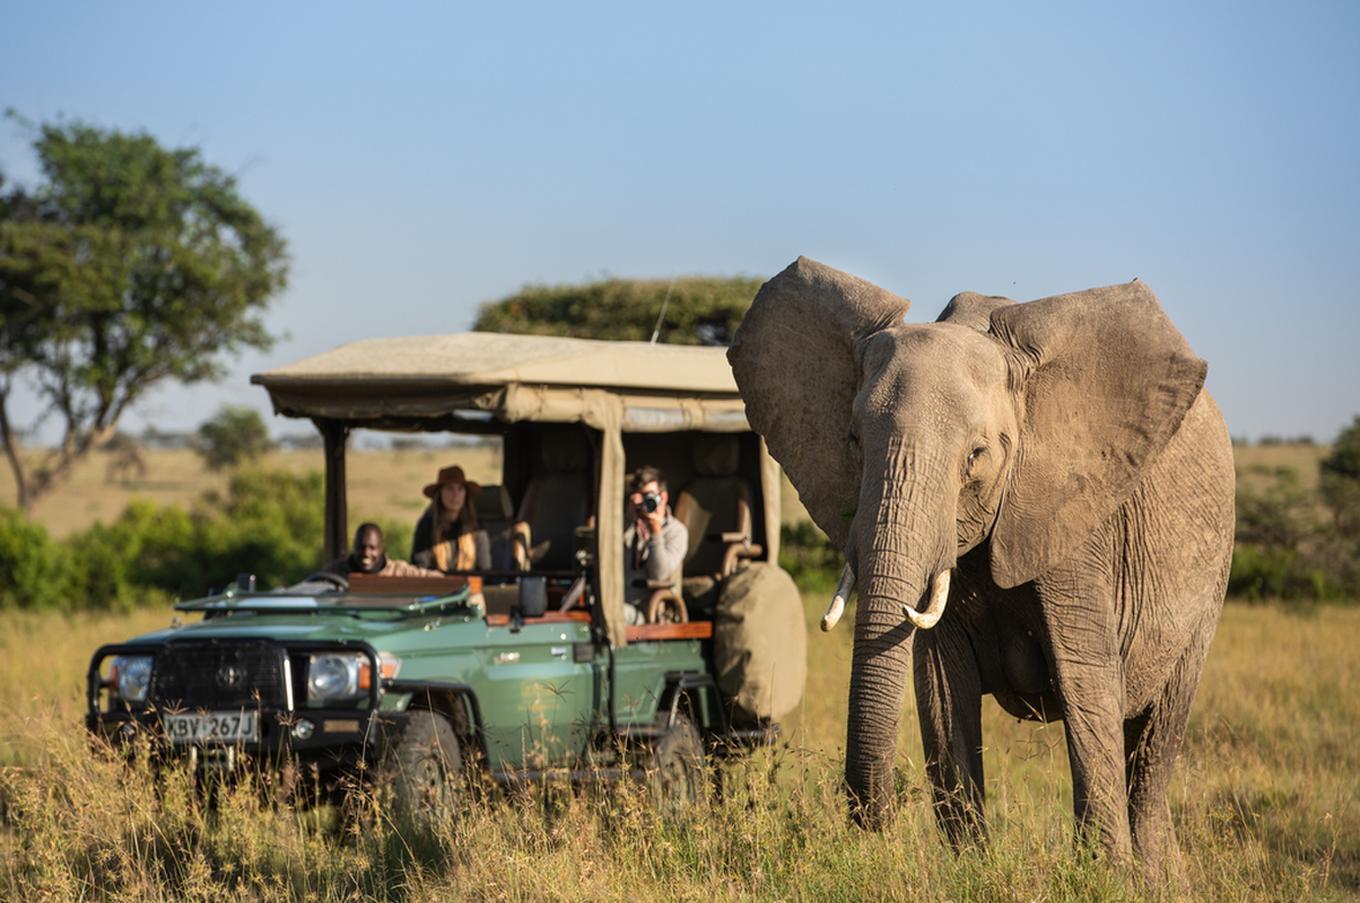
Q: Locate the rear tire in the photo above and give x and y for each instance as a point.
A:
(422, 770)
(676, 774)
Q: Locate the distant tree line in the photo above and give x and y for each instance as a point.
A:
(1271, 439)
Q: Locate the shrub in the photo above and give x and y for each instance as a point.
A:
(35, 571)
(1274, 573)
(266, 523)
(809, 557)
(1339, 479)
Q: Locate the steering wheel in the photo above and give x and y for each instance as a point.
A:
(339, 582)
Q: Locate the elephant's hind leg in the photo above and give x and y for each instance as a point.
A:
(1152, 743)
(949, 705)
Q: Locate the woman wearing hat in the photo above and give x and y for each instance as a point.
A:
(447, 537)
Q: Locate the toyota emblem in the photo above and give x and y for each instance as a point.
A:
(230, 677)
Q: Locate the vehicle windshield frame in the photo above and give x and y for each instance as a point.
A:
(338, 600)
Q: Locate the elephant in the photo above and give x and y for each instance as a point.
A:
(1035, 501)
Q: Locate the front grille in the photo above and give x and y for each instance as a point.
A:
(218, 675)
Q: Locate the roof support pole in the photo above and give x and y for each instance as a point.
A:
(335, 435)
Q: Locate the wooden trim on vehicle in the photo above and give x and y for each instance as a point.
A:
(551, 617)
(690, 630)
(441, 586)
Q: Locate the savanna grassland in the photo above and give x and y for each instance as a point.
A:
(382, 484)
(1265, 799)
(1265, 802)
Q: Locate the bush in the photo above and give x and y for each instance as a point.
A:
(1274, 573)
(1340, 482)
(267, 523)
(809, 557)
(35, 571)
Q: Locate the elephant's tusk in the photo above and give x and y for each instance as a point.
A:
(837, 606)
(939, 594)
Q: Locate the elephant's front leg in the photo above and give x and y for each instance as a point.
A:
(949, 704)
(1089, 674)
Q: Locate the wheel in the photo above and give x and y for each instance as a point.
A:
(422, 769)
(676, 773)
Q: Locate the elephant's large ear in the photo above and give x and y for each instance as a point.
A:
(794, 358)
(1104, 382)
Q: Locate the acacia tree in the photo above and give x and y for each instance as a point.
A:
(689, 310)
(127, 266)
(232, 436)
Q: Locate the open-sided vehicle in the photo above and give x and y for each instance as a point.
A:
(529, 669)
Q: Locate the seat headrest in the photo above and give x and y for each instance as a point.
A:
(493, 504)
(564, 453)
(716, 456)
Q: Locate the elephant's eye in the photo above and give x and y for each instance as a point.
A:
(852, 437)
(975, 454)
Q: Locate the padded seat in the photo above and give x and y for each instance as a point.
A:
(496, 515)
(716, 509)
(557, 501)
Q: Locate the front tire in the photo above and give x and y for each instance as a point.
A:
(422, 769)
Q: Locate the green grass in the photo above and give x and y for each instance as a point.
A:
(1265, 801)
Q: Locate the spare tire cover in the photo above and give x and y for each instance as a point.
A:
(760, 643)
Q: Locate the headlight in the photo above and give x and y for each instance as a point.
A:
(132, 675)
(345, 675)
(333, 675)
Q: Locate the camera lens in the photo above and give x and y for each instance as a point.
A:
(651, 501)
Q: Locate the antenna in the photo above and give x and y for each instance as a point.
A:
(661, 316)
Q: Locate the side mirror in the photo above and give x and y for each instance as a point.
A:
(533, 597)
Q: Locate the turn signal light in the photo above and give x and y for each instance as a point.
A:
(388, 665)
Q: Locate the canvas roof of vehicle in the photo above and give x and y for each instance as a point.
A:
(425, 382)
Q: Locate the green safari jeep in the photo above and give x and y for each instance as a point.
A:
(529, 670)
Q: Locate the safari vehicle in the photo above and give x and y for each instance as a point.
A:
(529, 670)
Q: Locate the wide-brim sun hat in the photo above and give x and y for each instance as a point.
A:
(450, 475)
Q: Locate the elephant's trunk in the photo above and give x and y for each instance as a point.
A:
(907, 550)
(879, 668)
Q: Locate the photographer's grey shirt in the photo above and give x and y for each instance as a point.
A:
(658, 558)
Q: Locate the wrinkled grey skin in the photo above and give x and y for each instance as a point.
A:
(1062, 458)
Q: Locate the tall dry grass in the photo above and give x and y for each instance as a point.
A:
(1265, 802)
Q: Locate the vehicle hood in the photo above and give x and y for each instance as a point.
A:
(382, 633)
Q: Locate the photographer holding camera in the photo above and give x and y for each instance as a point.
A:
(654, 544)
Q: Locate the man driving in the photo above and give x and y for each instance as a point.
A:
(654, 543)
(368, 557)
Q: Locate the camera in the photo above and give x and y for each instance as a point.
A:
(650, 502)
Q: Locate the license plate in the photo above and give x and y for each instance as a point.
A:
(211, 727)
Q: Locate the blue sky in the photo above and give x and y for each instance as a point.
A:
(424, 158)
